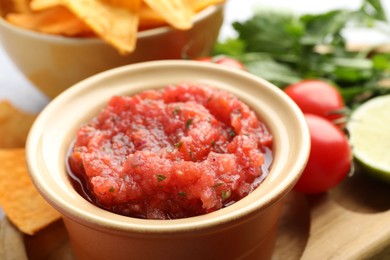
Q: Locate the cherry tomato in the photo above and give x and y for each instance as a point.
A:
(317, 97)
(330, 157)
(224, 60)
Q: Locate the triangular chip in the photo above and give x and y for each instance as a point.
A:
(19, 6)
(14, 126)
(53, 20)
(198, 5)
(148, 18)
(177, 13)
(19, 198)
(116, 25)
(37, 5)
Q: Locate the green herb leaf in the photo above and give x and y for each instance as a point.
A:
(374, 9)
(231, 47)
(160, 177)
(192, 156)
(176, 111)
(188, 123)
(284, 48)
(226, 194)
(232, 133)
(271, 70)
(381, 62)
(182, 194)
(324, 28)
(218, 184)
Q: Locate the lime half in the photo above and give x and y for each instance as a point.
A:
(369, 128)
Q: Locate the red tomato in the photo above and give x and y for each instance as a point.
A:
(330, 157)
(205, 59)
(317, 97)
(223, 60)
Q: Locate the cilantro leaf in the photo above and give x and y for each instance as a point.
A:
(284, 48)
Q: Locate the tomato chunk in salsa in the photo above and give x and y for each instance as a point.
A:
(178, 152)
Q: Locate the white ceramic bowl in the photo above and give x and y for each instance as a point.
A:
(53, 63)
(243, 230)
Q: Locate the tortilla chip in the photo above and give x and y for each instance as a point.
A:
(114, 24)
(20, 6)
(115, 21)
(37, 5)
(19, 199)
(14, 126)
(55, 20)
(177, 13)
(198, 5)
(149, 19)
(124, 3)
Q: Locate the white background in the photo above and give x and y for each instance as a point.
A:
(15, 87)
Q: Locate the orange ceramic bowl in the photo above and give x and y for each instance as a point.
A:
(53, 63)
(243, 230)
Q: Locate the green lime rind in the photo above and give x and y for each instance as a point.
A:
(374, 172)
(369, 129)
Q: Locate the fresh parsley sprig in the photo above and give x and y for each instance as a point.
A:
(284, 48)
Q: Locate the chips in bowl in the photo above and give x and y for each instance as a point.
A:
(115, 21)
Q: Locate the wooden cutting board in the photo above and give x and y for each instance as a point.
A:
(350, 222)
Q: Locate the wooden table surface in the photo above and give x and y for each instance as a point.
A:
(350, 222)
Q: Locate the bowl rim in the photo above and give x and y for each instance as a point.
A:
(201, 15)
(165, 226)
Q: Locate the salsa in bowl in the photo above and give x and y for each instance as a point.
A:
(253, 218)
(182, 151)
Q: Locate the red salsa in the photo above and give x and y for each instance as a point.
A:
(178, 152)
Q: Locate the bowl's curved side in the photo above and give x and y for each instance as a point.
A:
(53, 131)
(95, 232)
(54, 63)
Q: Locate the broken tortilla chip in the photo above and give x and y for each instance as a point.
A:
(117, 22)
(14, 126)
(116, 25)
(19, 199)
(54, 20)
(149, 19)
(198, 5)
(37, 5)
(175, 12)
(20, 6)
